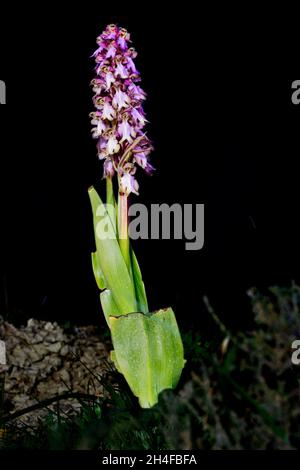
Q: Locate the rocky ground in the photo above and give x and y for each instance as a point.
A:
(43, 360)
(239, 390)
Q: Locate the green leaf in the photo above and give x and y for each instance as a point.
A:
(99, 276)
(114, 359)
(140, 291)
(149, 352)
(108, 305)
(110, 258)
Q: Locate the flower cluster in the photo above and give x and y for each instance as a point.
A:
(119, 118)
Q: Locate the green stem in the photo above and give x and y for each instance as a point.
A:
(109, 191)
(123, 229)
(110, 201)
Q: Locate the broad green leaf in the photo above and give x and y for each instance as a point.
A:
(140, 292)
(110, 258)
(108, 305)
(114, 359)
(149, 352)
(99, 276)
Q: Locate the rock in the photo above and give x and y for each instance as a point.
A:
(33, 355)
(41, 350)
(18, 357)
(64, 350)
(49, 326)
(38, 338)
(64, 375)
(31, 323)
(45, 361)
(2, 353)
(55, 347)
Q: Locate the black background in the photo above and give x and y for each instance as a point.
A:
(225, 134)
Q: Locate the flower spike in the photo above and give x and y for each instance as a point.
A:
(119, 118)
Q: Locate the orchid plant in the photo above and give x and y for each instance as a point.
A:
(147, 346)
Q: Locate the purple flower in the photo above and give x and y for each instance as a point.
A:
(108, 168)
(126, 131)
(108, 111)
(109, 79)
(138, 116)
(119, 118)
(141, 158)
(120, 100)
(97, 86)
(128, 184)
(99, 50)
(111, 51)
(123, 38)
(102, 148)
(137, 93)
(99, 129)
(110, 32)
(129, 62)
(112, 144)
(121, 71)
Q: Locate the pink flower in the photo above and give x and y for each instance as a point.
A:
(123, 38)
(128, 184)
(99, 59)
(141, 159)
(108, 168)
(111, 51)
(97, 85)
(110, 32)
(132, 52)
(130, 55)
(95, 116)
(126, 131)
(138, 116)
(101, 127)
(108, 111)
(121, 71)
(137, 93)
(100, 49)
(102, 148)
(120, 100)
(109, 78)
(113, 145)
